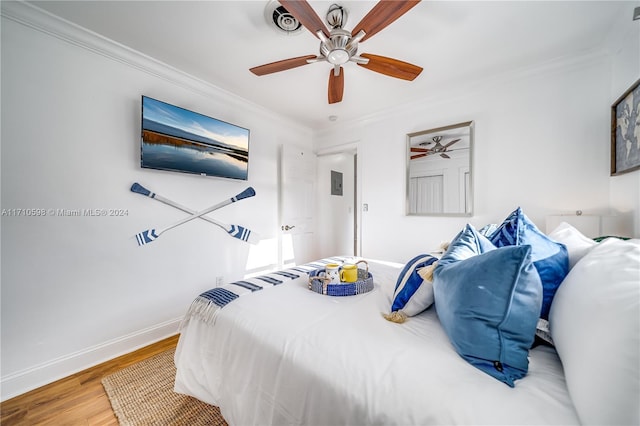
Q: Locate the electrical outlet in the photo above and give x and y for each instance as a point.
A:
(219, 281)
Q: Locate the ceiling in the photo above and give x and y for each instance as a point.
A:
(457, 43)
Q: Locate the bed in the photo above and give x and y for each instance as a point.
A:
(288, 355)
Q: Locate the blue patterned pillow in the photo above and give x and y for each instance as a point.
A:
(550, 258)
(488, 301)
(412, 293)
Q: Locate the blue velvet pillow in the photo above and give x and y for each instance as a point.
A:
(488, 301)
(413, 294)
(550, 258)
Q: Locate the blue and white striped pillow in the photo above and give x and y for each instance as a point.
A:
(413, 294)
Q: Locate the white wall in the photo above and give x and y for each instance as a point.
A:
(624, 44)
(78, 290)
(541, 142)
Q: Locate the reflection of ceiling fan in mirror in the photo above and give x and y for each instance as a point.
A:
(339, 46)
(436, 148)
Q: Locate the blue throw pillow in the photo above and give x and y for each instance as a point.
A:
(488, 301)
(412, 293)
(550, 258)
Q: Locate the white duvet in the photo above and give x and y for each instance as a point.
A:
(289, 356)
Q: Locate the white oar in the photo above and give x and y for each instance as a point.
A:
(150, 235)
(236, 231)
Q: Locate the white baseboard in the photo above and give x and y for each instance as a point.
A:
(32, 378)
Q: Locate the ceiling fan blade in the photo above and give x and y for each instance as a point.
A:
(443, 155)
(391, 67)
(336, 86)
(382, 14)
(413, 157)
(420, 150)
(451, 143)
(304, 13)
(281, 65)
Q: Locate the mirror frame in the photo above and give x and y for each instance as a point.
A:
(410, 138)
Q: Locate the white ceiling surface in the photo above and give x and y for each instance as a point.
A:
(455, 42)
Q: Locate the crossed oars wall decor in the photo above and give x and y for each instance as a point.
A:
(236, 231)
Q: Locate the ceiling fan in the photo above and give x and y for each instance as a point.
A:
(339, 46)
(437, 148)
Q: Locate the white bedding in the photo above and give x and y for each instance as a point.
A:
(287, 355)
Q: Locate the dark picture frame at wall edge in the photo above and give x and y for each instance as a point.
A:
(180, 140)
(625, 131)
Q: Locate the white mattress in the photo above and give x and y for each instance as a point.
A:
(287, 355)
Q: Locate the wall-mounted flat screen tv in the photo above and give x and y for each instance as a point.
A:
(180, 140)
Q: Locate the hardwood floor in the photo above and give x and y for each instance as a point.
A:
(79, 399)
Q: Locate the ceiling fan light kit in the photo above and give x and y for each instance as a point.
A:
(338, 46)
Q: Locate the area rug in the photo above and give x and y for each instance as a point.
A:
(142, 394)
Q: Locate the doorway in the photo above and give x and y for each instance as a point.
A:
(337, 201)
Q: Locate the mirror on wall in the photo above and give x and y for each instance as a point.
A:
(439, 175)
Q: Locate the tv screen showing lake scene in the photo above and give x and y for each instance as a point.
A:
(177, 139)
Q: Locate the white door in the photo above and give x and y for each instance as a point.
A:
(297, 173)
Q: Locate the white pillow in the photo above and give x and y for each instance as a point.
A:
(577, 244)
(595, 324)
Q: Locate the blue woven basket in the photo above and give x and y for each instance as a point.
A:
(320, 284)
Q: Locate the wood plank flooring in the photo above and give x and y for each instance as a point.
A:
(79, 399)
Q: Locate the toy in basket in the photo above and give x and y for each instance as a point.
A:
(321, 281)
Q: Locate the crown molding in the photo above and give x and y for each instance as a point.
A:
(450, 94)
(40, 20)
